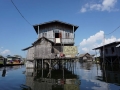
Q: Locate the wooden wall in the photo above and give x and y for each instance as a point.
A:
(30, 54)
(57, 49)
(43, 49)
(109, 51)
(49, 31)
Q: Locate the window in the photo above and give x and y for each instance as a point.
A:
(67, 35)
(112, 49)
(44, 34)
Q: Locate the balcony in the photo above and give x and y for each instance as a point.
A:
(63, 40)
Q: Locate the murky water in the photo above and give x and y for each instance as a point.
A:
(84, 76)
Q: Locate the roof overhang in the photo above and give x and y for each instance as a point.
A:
(40, 39)
(118, 45)
(113, 43)
(26, 48)
(53, 22)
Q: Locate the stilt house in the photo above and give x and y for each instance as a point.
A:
(110, 53)
(55, 39)
(85, 57)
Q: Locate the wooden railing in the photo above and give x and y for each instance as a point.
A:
(64, 40)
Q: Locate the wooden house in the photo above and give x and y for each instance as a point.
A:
(54, 40)
(85, 57)
(1, 60)
(110, 53)
(57, 31)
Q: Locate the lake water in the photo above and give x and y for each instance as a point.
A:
(84, 76)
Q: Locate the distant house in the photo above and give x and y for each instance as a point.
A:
(1, 59)
(85, 57)
(13, 60)
(110, 53)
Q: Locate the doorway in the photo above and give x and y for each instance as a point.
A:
(57, 35)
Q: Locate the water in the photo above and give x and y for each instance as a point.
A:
(85, 76)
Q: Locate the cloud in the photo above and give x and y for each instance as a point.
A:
(83, 10)
(93, 38)
(85, 49)
(5, 52)
(86, 45)
(105, 5)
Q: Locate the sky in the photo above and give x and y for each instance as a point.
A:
(94, 18)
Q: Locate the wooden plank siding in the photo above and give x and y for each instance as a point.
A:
(52, 36)
(49, 32)
(43, 49)
(108, 51)
(30, 54)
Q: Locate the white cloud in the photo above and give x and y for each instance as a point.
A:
(5, 52)
(85, 49)
(111, 39)
(95, 41)
(119, 39)
(93, 38)
(105, 5)
(83, 10)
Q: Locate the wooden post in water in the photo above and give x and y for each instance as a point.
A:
(35, 64)
(4, 62)
(59, 64)
(50, 64)
(42, 63)
(73, 66)
(70, 65)
(67, 64)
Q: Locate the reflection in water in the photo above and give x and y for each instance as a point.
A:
(86, 65)
(51, 79)
(85, 76)
(110, 74)
(4, 72)
(95, 77)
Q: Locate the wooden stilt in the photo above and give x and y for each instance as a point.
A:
(42, 63)
(73, 67)
(50, 64)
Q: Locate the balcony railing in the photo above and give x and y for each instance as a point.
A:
(64, 40)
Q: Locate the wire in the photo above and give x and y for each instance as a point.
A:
(113, 31)
(20, 13)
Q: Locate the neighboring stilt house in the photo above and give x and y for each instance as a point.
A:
(55, 40)
(85, 57)
(110, 53)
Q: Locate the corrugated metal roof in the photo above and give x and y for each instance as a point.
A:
(113, 43)
(54, 21)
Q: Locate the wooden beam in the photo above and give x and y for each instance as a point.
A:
(38, 31)
(73, 32)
